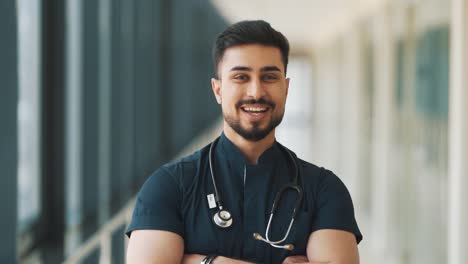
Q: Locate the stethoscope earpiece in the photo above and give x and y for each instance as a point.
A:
(257, 236)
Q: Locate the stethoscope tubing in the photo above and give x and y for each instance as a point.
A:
(294, 186)
(210, 160)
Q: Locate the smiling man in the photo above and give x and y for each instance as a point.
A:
(245, 198)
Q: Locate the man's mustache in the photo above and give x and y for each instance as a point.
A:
(262, 101)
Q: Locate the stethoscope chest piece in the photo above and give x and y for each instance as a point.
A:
(223, 219)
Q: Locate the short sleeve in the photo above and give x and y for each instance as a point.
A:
(157, 205)
(334, 207)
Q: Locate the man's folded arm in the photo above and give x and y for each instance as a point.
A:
(328, 246)
(154, 246)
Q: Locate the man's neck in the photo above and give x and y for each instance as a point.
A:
(251, 149)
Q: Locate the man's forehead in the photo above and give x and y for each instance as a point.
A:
(252, 57)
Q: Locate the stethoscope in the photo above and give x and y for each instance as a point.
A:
(223, 217)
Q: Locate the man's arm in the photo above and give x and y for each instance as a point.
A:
(332, 246)
(326, 246)
(329, 246)
(154, 246)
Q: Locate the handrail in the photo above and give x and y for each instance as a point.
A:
(103, 237)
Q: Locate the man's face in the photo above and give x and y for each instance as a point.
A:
(251, 89)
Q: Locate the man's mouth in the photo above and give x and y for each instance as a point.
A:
(254, 109)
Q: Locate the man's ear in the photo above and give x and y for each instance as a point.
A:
(287, 85)
(216, 87)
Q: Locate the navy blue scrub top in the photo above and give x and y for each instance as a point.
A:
(174, 198)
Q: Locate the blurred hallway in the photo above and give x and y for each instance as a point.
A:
(98, 94)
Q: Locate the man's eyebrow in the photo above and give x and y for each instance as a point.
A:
(264, 69)
(270, 68)
(241, 68)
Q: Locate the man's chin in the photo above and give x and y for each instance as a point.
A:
(255, 126)
(255, 138)
(252, 130)
(254, 134)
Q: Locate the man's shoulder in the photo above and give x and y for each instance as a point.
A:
(309, 169)
(186, 165)
(317, 175)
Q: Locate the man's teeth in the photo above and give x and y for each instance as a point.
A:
(254, 109)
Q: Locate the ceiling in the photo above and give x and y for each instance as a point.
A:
(306, 23)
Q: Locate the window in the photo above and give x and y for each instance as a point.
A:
(29, 204)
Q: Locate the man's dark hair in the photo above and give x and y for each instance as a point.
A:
(249, 32)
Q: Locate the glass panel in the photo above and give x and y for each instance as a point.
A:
(29, 41)
(368, 112)
(421, 148)
(429, 147)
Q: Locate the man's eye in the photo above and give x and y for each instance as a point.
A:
(269, 77)
(241, 77)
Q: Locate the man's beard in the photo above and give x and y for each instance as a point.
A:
(255, 133)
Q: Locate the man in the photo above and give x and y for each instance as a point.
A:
(205, 208)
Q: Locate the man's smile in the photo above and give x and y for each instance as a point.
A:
(255, 112)
(255, 109)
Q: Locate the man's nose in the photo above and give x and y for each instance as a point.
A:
(255, 89)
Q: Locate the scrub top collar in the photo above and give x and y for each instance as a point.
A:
(234, 156)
